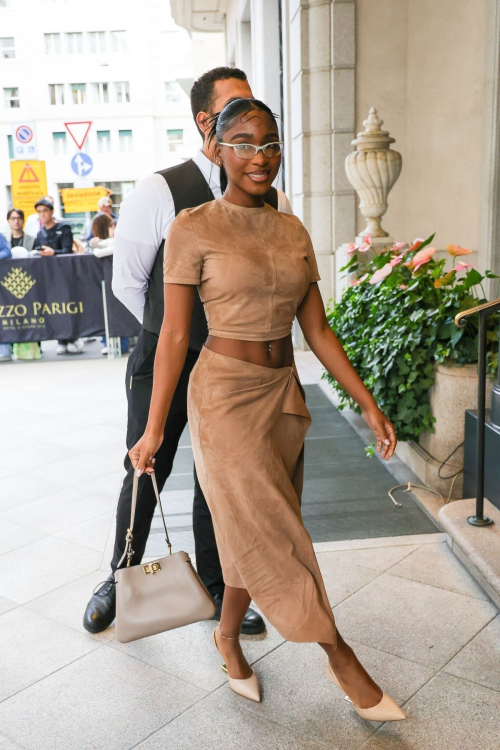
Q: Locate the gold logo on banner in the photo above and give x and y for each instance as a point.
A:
(18, 283)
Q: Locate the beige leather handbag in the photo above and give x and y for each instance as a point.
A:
(159, 595)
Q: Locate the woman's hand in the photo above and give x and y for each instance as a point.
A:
(383, 429)
(142, 454)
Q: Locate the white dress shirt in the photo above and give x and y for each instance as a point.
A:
(145, 216)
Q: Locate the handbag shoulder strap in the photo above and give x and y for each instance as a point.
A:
(129, 535)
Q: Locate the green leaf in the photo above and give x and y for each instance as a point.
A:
(472, 278)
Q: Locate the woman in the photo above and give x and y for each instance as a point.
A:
(103, 233)
(103, 244)
(255, 269)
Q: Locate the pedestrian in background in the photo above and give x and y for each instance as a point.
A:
(15, 235)
(15, 243)
(103, 244)
(104, 208)
(33, 225)
(55, 238)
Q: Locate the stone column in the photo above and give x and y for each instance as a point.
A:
(319, 52)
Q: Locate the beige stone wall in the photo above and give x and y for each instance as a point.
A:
(421, 63)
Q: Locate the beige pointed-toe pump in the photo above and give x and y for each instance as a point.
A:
(248, 688)
(385, 710)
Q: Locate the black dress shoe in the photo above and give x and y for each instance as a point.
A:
(253, 624)
(101, 609)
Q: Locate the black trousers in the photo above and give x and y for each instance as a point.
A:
(139, 385)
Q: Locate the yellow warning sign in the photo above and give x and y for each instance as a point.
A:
(78, 200)
(29, 184)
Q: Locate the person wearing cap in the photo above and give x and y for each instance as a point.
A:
(55, 238)
(33, 225)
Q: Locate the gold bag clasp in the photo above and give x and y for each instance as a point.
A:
(153, 567)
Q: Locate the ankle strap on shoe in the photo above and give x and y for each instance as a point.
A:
(227, 637)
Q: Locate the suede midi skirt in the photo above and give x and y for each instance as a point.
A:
(248, 425)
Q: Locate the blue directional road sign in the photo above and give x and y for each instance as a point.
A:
(81, 164)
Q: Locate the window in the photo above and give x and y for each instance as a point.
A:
(75, 43)
(52, 44)
(100, 93)
(173, 92)
(104, 141)
(60, 144)
(11, 98)
(9, 142)
(97, 41)
(125, 137)
(78, 93)
(122, 91)
(175, 139)
(56, 93)
(119, 41)
(7, 47)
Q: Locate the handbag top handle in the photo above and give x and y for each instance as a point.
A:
(129, 535)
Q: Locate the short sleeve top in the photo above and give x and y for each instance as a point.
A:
(253, 267)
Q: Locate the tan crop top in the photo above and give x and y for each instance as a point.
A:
(253, 267)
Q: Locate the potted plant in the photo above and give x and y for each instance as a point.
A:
(396, 323)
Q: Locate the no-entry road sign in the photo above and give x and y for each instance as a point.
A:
(24, 140)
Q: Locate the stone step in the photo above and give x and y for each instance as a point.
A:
(477, 547)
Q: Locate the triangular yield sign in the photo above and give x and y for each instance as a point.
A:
(78, 131)
(27, 175)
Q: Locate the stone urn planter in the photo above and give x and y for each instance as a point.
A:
(454, 390)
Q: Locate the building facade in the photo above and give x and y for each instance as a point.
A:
(430, 71)
(126, 67)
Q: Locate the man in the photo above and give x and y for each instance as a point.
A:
(138, 282)
(15, 236)
(104, 206)
(33, 226)
(55, 238)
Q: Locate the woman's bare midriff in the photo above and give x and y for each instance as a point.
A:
(277, 353)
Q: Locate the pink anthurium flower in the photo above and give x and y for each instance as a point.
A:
(457, 250)
(415, 245)
(403, 286)
(419, 259)
(359, 281)
(395, 261)
(364, 247)
(381, 273)
(461, 266)
(398, 246)
(351, 248)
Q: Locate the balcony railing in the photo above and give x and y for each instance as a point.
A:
(484, 311)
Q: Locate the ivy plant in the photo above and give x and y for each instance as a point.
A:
(396, 322)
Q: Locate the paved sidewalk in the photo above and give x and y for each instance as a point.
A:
(416, 618)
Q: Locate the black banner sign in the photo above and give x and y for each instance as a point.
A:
(59, 298)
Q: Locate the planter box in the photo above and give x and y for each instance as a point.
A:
(454, 391)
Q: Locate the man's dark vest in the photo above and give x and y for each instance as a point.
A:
(189, 189)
